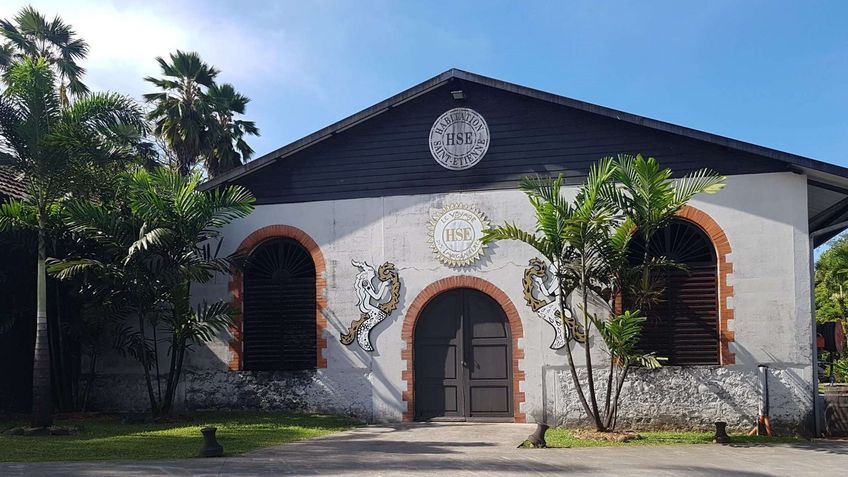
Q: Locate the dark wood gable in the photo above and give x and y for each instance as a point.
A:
(388, 154)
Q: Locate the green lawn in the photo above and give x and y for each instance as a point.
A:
(559, 437)
(107, 438)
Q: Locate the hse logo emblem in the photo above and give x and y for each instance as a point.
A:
(454, 235)
(459, 139)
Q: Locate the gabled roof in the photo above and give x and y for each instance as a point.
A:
(822, 170)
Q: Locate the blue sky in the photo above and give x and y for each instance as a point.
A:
(768, 72)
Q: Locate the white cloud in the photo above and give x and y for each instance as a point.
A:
(125, 38)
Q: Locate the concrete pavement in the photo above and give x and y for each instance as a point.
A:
(459, 449)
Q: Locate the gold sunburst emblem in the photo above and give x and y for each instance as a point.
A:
(454, 234)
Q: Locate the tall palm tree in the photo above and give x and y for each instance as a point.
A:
(31, 35)
(228, 148)
(181, 110)
(54, 147)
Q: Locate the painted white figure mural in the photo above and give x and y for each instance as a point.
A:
(540, 291)
(371, 311)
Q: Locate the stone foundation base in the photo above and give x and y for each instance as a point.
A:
(680, 398)
(692, 398)
(297, 391)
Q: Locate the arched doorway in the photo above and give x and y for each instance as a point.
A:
(683, 325)
(462, 358)
(279, 329)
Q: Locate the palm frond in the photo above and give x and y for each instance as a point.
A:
(509, 231)
(205, 321)
(18, 214)
(70, 268)
(105, 111)
(147, 239)
(32, 36)
(701, 181)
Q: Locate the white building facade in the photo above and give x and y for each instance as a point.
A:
(345, 304)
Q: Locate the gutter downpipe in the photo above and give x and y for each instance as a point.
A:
(816, 407)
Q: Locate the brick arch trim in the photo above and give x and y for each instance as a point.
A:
(236, 288)
(414, 311)
(725, 268)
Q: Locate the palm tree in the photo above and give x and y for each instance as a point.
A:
(181, 110)
(587, 241)
(831, 294)
(154, 244)
(54, 148)
(228, 148)
(31, 35)
(832, 282)
(183, 230)
(575, 237)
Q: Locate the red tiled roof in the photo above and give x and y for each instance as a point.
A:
(11, 183)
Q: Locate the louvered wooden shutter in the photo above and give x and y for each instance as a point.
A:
(279, 329)
(683, 326)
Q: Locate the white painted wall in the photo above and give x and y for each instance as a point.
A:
(764, 217)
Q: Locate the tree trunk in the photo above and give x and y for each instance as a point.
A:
(182, 310)
(174, 376)
(42, 396)
(612, 414)
(89, 380)
(185, 159)
(572, 368)
(172, 371)
(590, 378)
(609, 388)
(154, 405)
(156, 354)
(63, 94)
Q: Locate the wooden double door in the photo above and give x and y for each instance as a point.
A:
(463, 358)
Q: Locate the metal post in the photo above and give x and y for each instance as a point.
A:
(764, 399)
(815, 384)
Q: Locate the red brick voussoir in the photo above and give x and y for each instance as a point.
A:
(725, 268)
(247, 246)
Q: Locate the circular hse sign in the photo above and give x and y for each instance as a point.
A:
(454, 235)
(459, 139)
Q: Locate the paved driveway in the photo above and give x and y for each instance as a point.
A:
(474, 450)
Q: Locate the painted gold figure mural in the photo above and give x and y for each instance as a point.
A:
(540, 293)
(372, 312)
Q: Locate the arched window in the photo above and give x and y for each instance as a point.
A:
(683, 325)
(279, 329)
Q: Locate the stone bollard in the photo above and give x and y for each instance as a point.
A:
(721, 436)
(537, 438)
(210, 448)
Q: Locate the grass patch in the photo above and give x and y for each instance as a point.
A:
(108, 438)
(559, 437)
